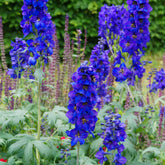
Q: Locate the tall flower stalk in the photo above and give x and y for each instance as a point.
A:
(82, 100)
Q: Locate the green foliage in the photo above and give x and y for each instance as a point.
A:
(157, 27)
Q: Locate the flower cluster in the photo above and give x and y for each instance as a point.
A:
(159, 81)
(111, 20)
(19, 57)
(37, 21)
(65, 154)
(114, 133)
(100, 61)
(136, 34)
(81, 104)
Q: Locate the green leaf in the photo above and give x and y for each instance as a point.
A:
(15, 147)
(57, 113)
(162, 148)
(43, 149)
(87, 161)
(134, 109)
(71, 161)
(152, 149)
(39, 75)
(96, 144)
(12, 117)
(131, 118)
(28, 153)
(11, 161)
(2, 142)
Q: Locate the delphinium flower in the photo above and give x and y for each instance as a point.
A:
(111, 20)
(111, 23)
(37, 21)
(136, 34)
(100, 61)
(19, 58)
(82, 100)
(121, 73)
(159, 81)
(113, 134)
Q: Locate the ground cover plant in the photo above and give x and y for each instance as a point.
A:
(81, 112)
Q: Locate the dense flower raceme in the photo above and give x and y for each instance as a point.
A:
(136, 34)
(37, 21)
(159, 81)
(100, 61)
(19, 57)
(111, 20)
(114, 133)
(81, 104)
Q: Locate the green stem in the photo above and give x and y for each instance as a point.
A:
(78, 147)
(39, 122)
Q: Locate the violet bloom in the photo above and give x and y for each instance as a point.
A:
(19, 58)
(81, 103)
(136, 34)
(111, 20)
(101, 155)
(113, 134)
(159, 81)
(37, 21)
(100, 61)
(121, 73)
(119, 160)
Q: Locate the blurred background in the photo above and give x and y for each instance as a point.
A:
(83, 14)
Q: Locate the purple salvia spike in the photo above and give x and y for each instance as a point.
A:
(147, 141)
(71, 52)
(30, 96)
(160, 121)
(65, 56)
(57, 95)
(110, 81)
(69, 61)
(56, 50)
(13, 86)
(57, 60)
(1, 87)
(85, 44)
(66, 22)
(3, 57)
(163, 134)
(148, 99)
(1, 83)
(127, 103)
(78, 48)
(52, 68)
(7, 81)
(160, 95)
